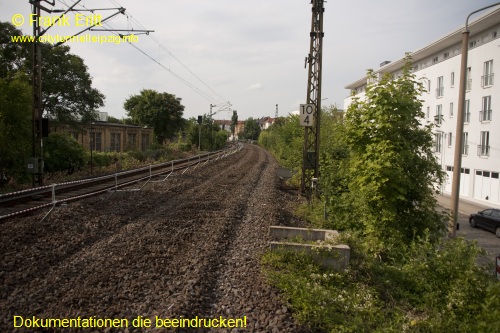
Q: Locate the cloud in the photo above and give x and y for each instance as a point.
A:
(234, 49)
(255, 86)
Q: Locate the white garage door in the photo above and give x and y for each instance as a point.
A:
(487, 186)
(464, 181)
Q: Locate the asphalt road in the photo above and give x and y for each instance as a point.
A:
(486, 239)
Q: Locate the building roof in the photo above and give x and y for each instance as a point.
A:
(483, 22)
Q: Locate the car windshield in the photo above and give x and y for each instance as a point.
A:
(487, 212)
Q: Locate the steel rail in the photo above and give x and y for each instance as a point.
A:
(50, 195)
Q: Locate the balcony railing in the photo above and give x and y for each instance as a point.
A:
(487, 80)
(483, 150)
(438, 119)
(485, 115)
(440, 92)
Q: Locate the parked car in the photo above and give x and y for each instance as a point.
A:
(488, 219)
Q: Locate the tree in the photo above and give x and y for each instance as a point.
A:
(67, 93)
(13, 56)
(212, 137)
(114, 120)
(285, 139)
(162, 111)
(234, 122)
(15, 126)
(392, 168)
(251, 130)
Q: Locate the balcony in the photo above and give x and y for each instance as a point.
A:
(438, 119)
(485, 115)
(483, 150)
(487, 80)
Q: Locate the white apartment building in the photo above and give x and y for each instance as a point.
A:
(438, 64)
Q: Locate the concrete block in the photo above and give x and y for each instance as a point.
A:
(306, 234)
(328, 255)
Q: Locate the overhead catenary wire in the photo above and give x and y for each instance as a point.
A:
(162, 46)
(209, 96)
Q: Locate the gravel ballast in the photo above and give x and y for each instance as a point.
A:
(188, 247)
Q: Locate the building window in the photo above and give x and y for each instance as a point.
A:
(131, 140)
(450, 140)
(145, 141)
(440, 87)
(428, 86)
(115, 141)
(95, 141)
(428, 111)
(435, 60)
(452, 79)
(451, 110)
(487, 78)
(465, 144)
(438, 118)
(485, 113)
(484, 148)
(468, 79)
(467, 111)
(437, 142)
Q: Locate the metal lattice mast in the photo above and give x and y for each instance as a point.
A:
(310, 164)
(37, 111)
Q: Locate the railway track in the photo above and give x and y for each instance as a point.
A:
(26, 201)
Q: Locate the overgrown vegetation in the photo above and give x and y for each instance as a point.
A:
(378, 172)
(66, 160)
(212, 136)
(431, 288)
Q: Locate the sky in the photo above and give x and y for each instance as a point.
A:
(248, 53)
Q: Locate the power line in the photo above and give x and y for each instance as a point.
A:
(162, 46)
(190, 85)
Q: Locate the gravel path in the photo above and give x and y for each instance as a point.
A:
(186, 247)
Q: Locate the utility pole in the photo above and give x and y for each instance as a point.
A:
(310, 161)
(39, 126)
(35, 165)
(457, 163)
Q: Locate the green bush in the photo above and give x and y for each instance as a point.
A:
(63, 153)
(435, 288)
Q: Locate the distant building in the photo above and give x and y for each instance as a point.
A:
(265, 122)
(111, 136)
(439, 65)
(225, 125)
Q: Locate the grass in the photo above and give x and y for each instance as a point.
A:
(434, 288)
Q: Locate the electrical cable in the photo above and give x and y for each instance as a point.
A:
(190, 85)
